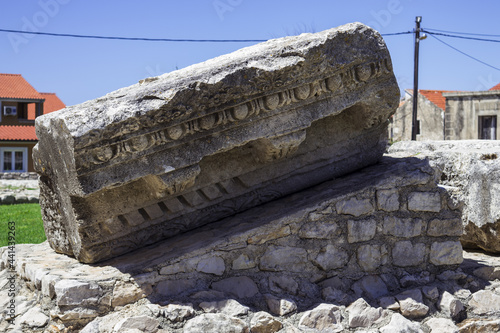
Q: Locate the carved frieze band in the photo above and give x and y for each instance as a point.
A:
(169, 208)
(347, 78)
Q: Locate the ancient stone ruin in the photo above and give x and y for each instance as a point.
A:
(471, 171)
(175, 152)
(368, 235)
(250, 193)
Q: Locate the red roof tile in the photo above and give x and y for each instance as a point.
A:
(52, 103)
(436, 97)
(497, 87)
(15, 86)
(23, 133)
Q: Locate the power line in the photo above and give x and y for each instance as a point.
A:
(465, 54)
(430, 32)
(157, 39)
(462, 37)
(397, 33)
(463, 33)
(135, 38)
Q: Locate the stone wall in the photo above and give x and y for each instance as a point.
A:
(19, 189)
(471, 170)
(19, 175)
(378, 221)
(17, 198)
(358, 234)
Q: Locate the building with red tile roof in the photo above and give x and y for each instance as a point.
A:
(447, 115)
(436, 97)
(20, 104)
(14, 86)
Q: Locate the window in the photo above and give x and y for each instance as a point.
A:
(22, 111)
(13, 159)
(487, 128)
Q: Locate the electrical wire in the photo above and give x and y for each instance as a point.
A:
(158, 39)
(397, 33)
(465, 54)
(135, 38)
(461, 37)
(462, 33)
(429, 31)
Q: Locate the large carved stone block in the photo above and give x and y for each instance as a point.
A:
(190, 147)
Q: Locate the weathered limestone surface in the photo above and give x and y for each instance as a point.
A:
(177, 151)
(471, 171)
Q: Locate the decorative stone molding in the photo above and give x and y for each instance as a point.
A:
(175, 152)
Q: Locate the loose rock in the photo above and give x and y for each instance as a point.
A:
(177, 312)
(450, 305)
(215, 322)
(411, 303)
(361, 314)
(324, 317)
(33, 318)
(484, 302)
(475, 325)
(142, 324)
(441, 325)
(229, 307)
(400, 324)
(262, 322)
(280, 307)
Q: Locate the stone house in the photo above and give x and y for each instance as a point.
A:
(20, 104)
(448, 115)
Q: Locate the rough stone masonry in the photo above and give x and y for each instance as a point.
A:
(471, 169)
(175, 152)
(384, 235)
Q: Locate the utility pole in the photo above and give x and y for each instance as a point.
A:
(414, 123)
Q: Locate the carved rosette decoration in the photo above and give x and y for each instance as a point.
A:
(188, 148)
(257, 108)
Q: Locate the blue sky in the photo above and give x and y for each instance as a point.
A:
(82, 69)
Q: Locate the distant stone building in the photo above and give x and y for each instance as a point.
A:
(449, 115)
